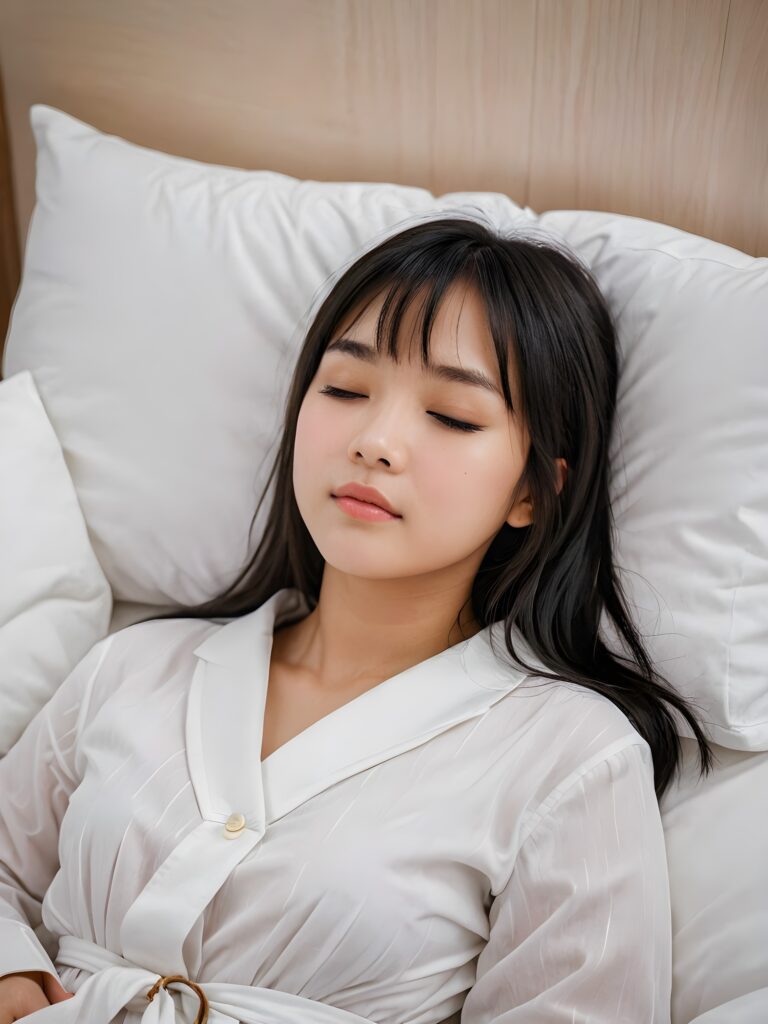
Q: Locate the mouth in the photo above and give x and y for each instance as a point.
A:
(364, 510)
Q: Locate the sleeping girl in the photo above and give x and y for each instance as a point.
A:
(393, 773)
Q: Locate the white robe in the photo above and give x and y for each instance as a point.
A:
(463, 834)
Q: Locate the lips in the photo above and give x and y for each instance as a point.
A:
(367, 494)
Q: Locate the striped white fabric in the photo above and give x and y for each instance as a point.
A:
(464, 841)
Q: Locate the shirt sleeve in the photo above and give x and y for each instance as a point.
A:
(582, 931)
(37, 777)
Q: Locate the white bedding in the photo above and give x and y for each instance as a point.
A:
(140, 385)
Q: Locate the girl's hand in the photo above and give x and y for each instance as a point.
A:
(25, 992)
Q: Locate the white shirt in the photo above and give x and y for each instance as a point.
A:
(463, 834)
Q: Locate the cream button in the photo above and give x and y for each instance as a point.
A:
(234, 825)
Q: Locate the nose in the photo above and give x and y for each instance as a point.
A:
(381, 438)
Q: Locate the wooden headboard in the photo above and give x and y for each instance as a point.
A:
(653, 108)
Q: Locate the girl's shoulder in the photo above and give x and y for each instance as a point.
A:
(569, 710)
(156, 645)
(161, 633)
(569, 729)
(573, 718)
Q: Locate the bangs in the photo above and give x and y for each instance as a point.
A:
(428, 287)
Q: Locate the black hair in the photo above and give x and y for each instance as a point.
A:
(552, 579)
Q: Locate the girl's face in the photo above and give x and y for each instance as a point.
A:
(451, 487)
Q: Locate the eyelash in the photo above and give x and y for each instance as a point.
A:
(452, 424)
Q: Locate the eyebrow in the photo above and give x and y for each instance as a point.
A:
(453, 374)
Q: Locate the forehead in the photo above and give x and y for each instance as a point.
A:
(459, 332)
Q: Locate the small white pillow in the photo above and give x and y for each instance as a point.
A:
(716, 835)
(55, 601)
(162, 305)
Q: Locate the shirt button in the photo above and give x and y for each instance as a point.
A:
(234, 825)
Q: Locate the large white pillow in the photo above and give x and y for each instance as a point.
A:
(161, 308)
(55, 601)
(690, 458)
(162, 305)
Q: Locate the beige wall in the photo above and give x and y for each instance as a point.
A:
(652, 108)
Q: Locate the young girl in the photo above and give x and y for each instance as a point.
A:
(392, 774)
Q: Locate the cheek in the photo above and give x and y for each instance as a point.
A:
(460, 469)
(470, 484)
(320, 437)
(437, 469)
(305, 449)
(314, 430)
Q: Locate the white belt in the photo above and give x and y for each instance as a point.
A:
(117, 984)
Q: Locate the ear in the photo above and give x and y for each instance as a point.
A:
(521, 514)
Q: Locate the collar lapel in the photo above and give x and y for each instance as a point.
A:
(226, 713)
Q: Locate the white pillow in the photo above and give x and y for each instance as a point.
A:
(689, 486)
(160, 308)
(716, 835)
(55, 601)
(162, 305)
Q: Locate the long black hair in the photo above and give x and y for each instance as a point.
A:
(554, 578)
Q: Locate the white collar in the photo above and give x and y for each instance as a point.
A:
(228, 696)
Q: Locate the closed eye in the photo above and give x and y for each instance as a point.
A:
(448, 421)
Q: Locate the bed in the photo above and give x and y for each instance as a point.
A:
(181, 183)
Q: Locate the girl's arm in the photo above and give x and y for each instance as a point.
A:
(37, 776)
(582, 931)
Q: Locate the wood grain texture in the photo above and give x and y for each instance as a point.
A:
(651, 108)
(10, 267)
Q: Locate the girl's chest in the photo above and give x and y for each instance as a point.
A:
(409, 815)
(389, 848)
(377, 869)
(363, 883)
